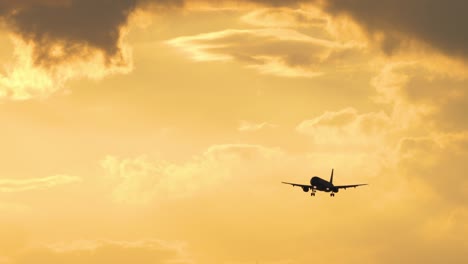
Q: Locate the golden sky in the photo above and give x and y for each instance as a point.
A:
(143, 131)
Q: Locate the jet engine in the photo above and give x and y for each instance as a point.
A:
(335, 190)
(305, 189)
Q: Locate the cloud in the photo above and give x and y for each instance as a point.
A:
(281, 52)
(423, 187)
(432, 22)
(285, 18)
(429, 151)
(73, 26)
(22, 79)
(422, 96)
(20, 185)
(436, 161)
(142, 180)
(56, 41)
(425, 193)
(252, 189)
(63, 30)
(347, 129)
(104, 251)
(246, 126)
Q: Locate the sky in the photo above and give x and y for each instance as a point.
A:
(144, 131)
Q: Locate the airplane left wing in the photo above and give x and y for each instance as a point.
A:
(349, 186)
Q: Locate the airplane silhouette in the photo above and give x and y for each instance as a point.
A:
(319, 184)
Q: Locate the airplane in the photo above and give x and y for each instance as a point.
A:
(319, 184)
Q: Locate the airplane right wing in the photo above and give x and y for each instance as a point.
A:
(297, 184)
(349, 186)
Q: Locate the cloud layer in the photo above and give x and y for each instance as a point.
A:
(103, 251)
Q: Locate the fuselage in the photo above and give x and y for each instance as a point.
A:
(322, 185)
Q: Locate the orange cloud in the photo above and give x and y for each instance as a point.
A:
(23, 79)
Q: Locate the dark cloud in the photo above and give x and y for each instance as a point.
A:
(81, 27)
(437, 23)
(78, 27)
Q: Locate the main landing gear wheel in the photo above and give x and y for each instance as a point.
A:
(332, 194)
(312, 194)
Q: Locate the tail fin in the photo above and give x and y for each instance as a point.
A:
(331, 177)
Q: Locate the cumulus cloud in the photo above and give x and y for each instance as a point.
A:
(423, 96)
(19, 185)
(141, 180)
(423, 179)
(281, 52)
(348, 129)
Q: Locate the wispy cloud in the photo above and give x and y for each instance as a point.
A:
(246, 126)
(20, 185)
(274, 51)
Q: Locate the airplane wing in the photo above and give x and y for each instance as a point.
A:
(296, 184)
(349, 186)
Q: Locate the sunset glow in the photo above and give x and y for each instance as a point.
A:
(143, 131)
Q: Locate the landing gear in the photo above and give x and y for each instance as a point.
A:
(332, 194)
(312, 194)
